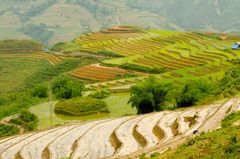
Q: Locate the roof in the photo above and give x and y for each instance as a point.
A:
(236, 46)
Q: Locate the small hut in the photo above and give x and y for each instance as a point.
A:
(236, 46)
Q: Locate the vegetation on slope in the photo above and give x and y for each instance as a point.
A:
(66, 88)
(26, 46)
(81, 106)
(175, 15)
(153, 95)
(14, 72)
(149, 96)
(100, 94)
(218, 144)
(140, 68)
(27, 120)
(38, 32)
(8, 130)
(24, 80)
(66, 47)
(49, 72)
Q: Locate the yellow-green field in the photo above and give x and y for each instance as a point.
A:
(183, 55)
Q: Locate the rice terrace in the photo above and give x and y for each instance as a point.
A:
(120, 90)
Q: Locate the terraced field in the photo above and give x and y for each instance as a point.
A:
(51, 58)
(182, 54)
(100, 73)
(171, 50)
(117, 138)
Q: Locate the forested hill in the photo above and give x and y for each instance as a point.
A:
(51, 21)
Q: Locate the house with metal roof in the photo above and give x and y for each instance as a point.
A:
(236, 46)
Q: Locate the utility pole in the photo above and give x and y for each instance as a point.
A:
(50, 101)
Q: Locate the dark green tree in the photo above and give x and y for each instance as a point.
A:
(193, 91)
(40, 91)
(149, 95)
(66, 88)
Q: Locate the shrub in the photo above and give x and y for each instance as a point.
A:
(109, 53)
(230, 119)
(100, 94)
(231, 78)
(194, 91)
(8, 130)
(66, 47)
(40, 91)
(66, 88)
(149, 95)
(81, 106)
(142, 68)
(15, 102)
(27, 120)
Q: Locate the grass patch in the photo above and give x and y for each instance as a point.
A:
(117, 105)
(20, 45)
(65, 47)
(14, 72)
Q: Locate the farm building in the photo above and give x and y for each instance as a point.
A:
(236, 46)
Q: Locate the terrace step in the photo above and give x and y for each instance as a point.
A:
(64, 144)
(116, 138)
(97, 135)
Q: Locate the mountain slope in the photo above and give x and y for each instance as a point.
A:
(116, 138)
(51, 21)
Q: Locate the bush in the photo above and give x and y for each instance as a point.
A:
(230, 119)
(81, 106)
(194, 91)
(142, 68)
(15, 102)
(66, 47)
(149, 95)
(231, 79)
(100, 94)
(109, 53)
(27, 120)
(65, 88)
(8, 130)
(40, 91)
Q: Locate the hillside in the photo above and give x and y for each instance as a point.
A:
(157, 87)
(171, 56)
(55, 18)
(117, 137)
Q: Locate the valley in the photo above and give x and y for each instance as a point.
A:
(156, 88)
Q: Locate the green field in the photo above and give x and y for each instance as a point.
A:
(14, 71)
